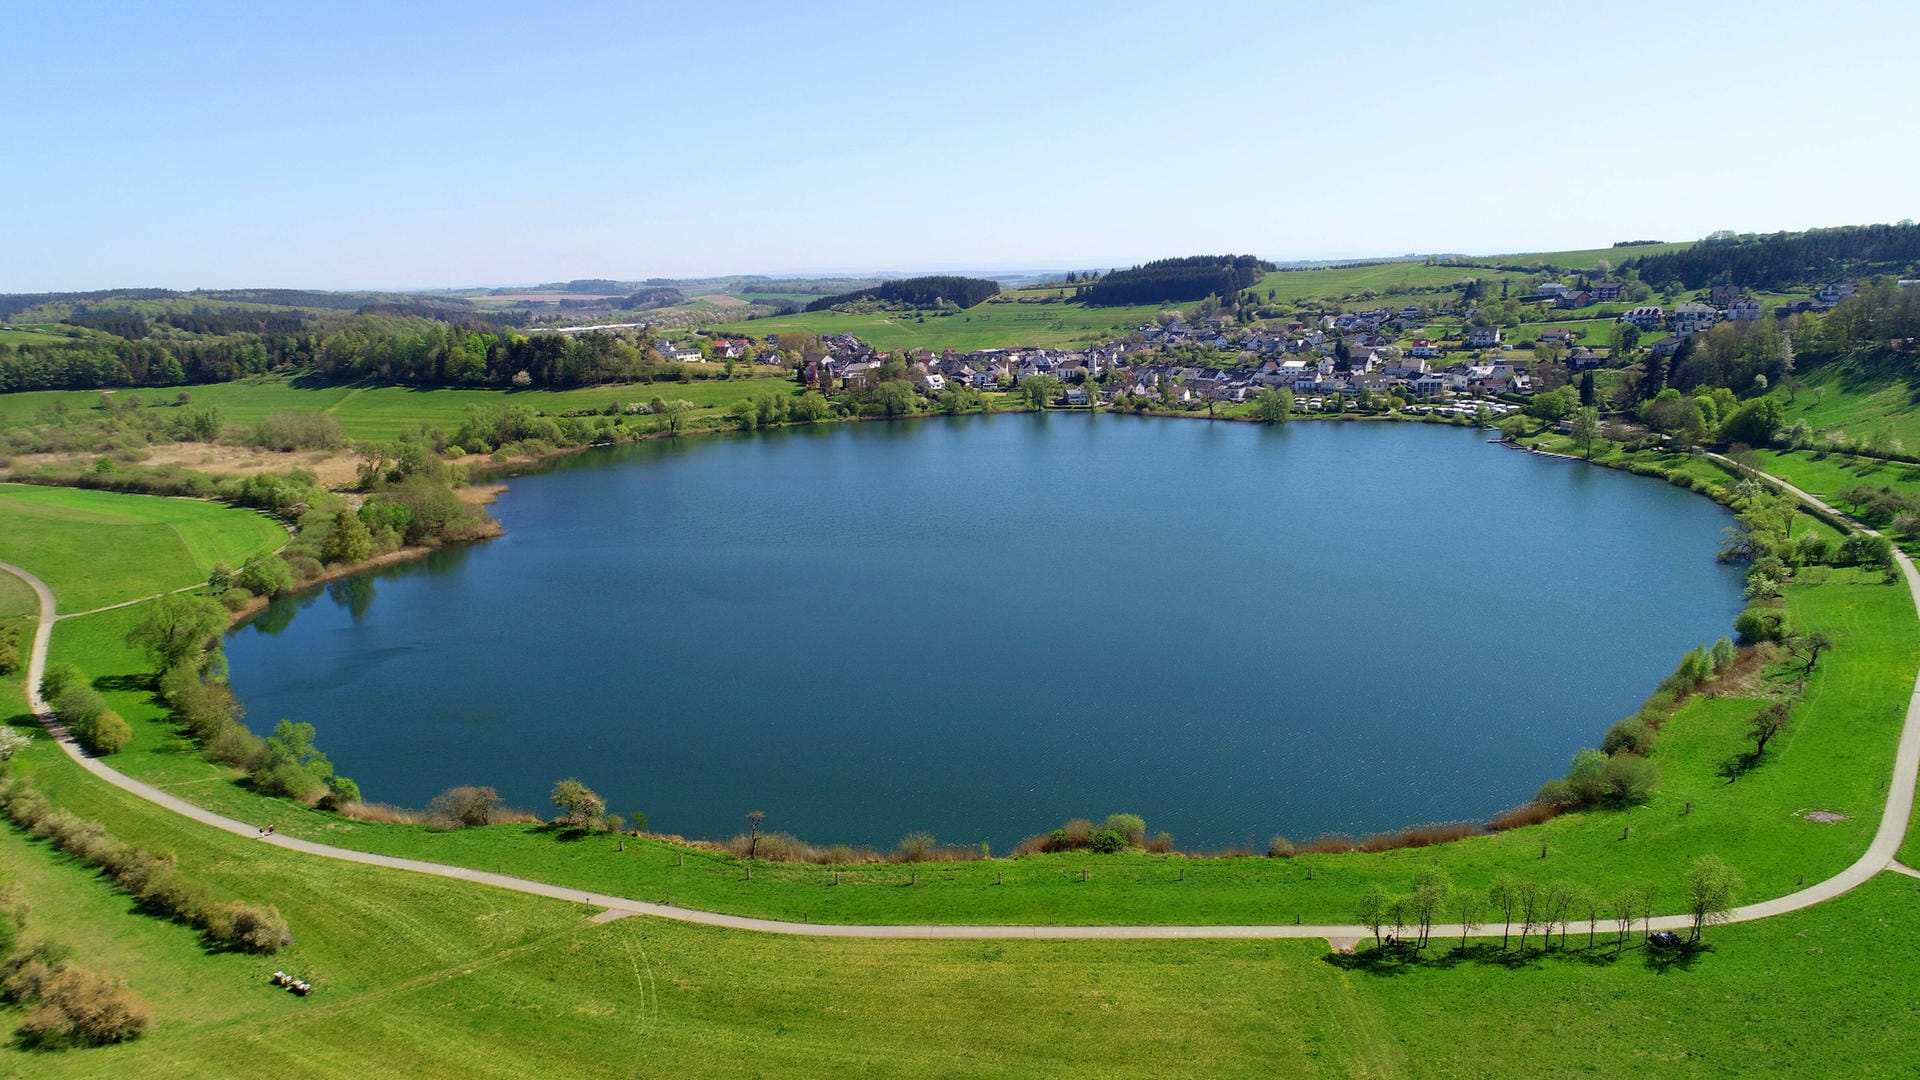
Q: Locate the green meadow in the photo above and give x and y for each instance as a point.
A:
(384, 412)
(419, 976)
(95, 548)
(984, 326)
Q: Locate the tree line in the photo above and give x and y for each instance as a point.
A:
(389, 349)
(918, 292)
(1193, 277)
(1773, 260)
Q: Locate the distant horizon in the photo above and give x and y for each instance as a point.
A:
(988, 268)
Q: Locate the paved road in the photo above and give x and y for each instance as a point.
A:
(1879, 855)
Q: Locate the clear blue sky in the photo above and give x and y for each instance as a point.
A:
(410, 145)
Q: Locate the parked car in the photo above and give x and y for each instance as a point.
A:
(1664, 939)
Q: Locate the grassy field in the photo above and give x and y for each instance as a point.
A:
(96, 548)
(383, 412)
(986, 326)
(17, 598)
(1858, 406)
(420, 977)
(1393, 277)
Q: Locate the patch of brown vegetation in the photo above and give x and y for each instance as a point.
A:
(722, 300)
(1745, 676)
(1532, 813)
(1826, 817)
(335, 469)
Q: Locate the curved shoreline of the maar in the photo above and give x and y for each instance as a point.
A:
(1879, 855)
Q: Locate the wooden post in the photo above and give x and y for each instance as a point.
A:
(1309, 873)
(683, 858)
(749, 871)
(1183, 873)
(999, 877)
(1625, 830)
(915, 880)
(836, 877)
(1543, 849)
(1083, 875)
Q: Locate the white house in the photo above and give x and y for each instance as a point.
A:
(1481, 337)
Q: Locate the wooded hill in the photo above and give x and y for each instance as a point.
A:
(919, 292)
(1195, 277)
(1778, 260)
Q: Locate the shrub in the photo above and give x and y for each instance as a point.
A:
(1280, 848)
(1160, 844)
(465, 805)
(1630, 736)
(1108, 841)
(1631, 778)
(1758, 624)
(914, 847)
(108, 734)
(234, 745)
(235, 598)
(1130, 826)
(79, 1008)
(249, 928)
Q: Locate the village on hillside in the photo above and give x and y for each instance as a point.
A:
(1442, 358)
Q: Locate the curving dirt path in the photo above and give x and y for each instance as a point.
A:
(1879, 855)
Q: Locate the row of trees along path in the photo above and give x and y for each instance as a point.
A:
(1879, 855)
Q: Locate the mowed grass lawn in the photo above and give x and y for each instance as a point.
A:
(94, 548)
(418, 976)
(384, 412)
(1836, 757)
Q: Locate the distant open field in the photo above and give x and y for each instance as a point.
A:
(985, 326)
(94, 548)
(15, 334)
(535, 297)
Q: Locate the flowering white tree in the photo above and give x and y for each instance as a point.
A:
(12, 741)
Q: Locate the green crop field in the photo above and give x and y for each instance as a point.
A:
(94, 548)
(985, 326)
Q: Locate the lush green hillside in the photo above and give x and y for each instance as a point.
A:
(383, 412)
(95, 548)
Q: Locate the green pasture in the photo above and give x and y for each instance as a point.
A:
(419, 976)
(984, 326)
(1858, 406)
(94, 548)
(383, 412)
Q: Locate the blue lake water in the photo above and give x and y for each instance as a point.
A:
(983, 626)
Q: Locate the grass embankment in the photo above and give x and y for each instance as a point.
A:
(94, 548)
(1836, 757)
(420, 976)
